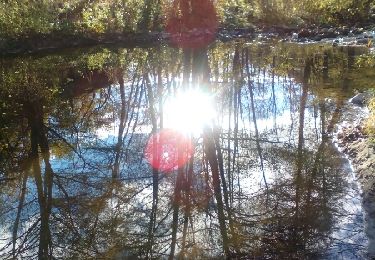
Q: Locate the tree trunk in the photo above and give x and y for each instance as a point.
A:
(210, 152)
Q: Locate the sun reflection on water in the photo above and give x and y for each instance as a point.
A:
(189, 111)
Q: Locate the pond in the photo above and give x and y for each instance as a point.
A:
(227, 151)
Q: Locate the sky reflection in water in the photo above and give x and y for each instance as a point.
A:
(108, 198)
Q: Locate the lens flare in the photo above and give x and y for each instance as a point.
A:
(168, 150)
(185, 116)
(189, 111)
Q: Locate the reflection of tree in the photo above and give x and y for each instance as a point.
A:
(93, 196)
(300, 148)
(251, 91)
(155, 171)
(38, 137)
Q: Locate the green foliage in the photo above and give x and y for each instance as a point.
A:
(93, 18)
(342, 11)
(306, 11)
(366, 60)
(365, 65)
(19, 18)
(111, 16)
(235, 13)
(23, 17)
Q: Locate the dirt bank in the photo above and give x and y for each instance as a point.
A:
(352, 140)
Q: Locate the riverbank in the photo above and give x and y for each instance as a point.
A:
(355, 35)
(361, 152)
(51, 42)
(352, 140)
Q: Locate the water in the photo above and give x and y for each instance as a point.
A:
(260, 175)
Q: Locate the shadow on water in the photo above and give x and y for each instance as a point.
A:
(263, 179)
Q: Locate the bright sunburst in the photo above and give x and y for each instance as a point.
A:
(189, 111)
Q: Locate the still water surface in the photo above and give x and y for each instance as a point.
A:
(115, 153)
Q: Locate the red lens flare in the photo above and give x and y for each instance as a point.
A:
(192, 23)
(168, 150)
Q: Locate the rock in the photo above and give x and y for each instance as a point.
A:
(362, 41)
(325, 26)
(329, 34)
(357, 31)
(245, 31)
(317, 38)
(368, 35)
(304, 33)
(344, 31)
(360, 99)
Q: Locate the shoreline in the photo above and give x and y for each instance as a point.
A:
(344, 35)
(353, 142)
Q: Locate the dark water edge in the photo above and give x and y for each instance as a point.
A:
(52, 42)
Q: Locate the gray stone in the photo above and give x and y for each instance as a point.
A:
(360, 99)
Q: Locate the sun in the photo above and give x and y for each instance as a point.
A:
(185, 116)
(189, 111)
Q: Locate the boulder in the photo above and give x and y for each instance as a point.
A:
(304, 33)
(360, 99)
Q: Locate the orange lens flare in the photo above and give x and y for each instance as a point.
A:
(168, 150)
